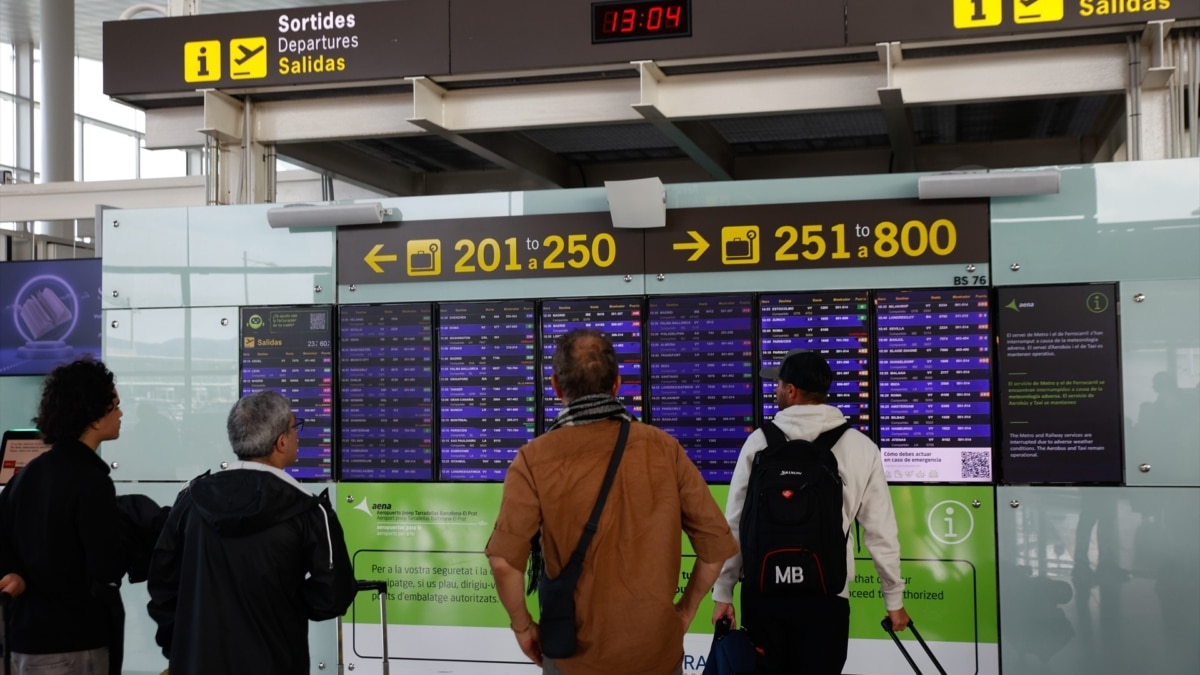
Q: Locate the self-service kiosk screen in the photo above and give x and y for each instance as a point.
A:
(385, 382)
(701, 376)
(935, 398)
(487, 384)
(618, 318)
(290, 350)
(838, 326)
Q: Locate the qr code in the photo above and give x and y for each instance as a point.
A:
(976, 465)
(316, 321)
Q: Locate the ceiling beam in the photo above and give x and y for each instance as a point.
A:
(698, 140)
(353, 166)
(508, 150)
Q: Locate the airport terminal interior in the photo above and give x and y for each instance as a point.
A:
(984, 213)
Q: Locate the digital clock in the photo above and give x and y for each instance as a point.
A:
(640, 20)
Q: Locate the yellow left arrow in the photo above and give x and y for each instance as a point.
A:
(373, 258)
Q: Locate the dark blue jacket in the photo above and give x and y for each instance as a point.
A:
(245, 560)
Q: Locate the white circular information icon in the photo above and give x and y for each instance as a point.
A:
(950, 522)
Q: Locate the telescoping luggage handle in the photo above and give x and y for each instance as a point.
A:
(887, 625)
(380, 587)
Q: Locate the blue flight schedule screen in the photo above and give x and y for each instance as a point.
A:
(618, 318)
(935, 391)
(835, 324)
(487, 384)
(290, 350)
(702, 376)
(385, 382)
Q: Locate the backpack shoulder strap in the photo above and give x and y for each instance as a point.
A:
(774, 434)
(828, 439)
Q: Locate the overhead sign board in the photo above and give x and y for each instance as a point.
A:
(872, 21)
(505, 247)
(293, 46)
(490, 36)
(891, 232)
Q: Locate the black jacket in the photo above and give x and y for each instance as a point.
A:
(245, 560)
(58, 530)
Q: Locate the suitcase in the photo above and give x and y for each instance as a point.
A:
(887, 626)
(732, 652)
(381, 588)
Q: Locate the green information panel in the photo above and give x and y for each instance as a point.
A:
(426, 541)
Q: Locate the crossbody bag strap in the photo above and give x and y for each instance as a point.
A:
(593, 523)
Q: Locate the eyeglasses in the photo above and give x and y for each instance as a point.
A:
(298, 425)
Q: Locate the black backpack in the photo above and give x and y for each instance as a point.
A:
(793, 545)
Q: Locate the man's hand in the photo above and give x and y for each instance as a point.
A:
(13, 584)
(530, 641)
(899, 619)
(685, 616)
(724, 610)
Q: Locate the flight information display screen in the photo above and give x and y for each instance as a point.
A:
(701, 376)
(487, 383)
(935, 392)
(290, 350)
(385, 382)
(618, 318)
(835, 324)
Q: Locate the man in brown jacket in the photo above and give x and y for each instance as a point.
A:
(626, 615)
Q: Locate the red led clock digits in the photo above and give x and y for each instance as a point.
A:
(627, 18)
(640, 19)
(610, 22)
(674, 15)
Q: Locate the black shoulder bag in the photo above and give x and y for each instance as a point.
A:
(556, 597)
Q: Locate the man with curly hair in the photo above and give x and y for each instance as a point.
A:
(58, 530)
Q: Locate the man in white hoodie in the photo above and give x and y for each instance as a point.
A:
(822, 625)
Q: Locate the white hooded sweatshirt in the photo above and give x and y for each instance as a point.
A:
(865, 497)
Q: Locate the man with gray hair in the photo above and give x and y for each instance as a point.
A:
(248, 556)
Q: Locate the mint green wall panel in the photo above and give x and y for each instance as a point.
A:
(1098, 581)
(177, 374)
(1109, 222)
(19, 397)
(145, 252)
(236, 258)
(1160, 371)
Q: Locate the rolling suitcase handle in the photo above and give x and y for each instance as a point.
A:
(5, 602)
(887, 625)
(381, 588)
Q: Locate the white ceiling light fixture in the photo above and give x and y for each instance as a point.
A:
(981, 184)
(327, 215)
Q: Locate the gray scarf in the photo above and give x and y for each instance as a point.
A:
(591, 408)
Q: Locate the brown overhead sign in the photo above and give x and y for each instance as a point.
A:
(819, 235)
(477, 249)
(293, 46)
(380, 41)
(871, 21)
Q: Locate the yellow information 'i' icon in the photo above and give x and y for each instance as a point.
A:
(202, 61)
(1037, 11)
(248, 58)
(424, 257)
(739, 245)
(978, 13)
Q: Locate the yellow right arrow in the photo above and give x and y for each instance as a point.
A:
(373, 257)
(698, 245)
